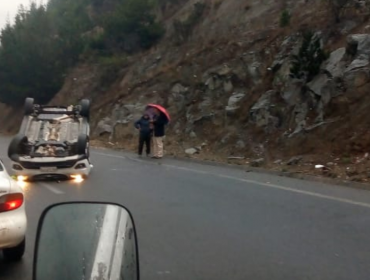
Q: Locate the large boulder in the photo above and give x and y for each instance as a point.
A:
(282, 64)
(222, 70)
(255, 71)
(260, 114)
(358, 44)
(336, 63)
(120, 113)
(191, 151)
(104, 127)
(214, 82)
(282, 76)
(292, 92)
(228, 86)
(196, 117)
(360, 62)
(357, 73)
(214, 78)
(233, 102)
(300, 114)
(177, 98)
(126, 113)
(323, 87)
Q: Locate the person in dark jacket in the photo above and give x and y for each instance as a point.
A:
(145, 126)
(159, 121)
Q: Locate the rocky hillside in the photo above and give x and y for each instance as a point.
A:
(277, 84)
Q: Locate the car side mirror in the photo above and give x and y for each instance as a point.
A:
(86, 240)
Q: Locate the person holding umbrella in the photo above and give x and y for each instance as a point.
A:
(159, 119)
(145, 127)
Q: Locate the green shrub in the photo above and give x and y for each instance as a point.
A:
(284, 18)
(132, 26)
(111, 66)
(309, 59)
(46, 41)
(39, 48)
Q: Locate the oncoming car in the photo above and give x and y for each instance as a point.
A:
(53, 142)
(13, 220)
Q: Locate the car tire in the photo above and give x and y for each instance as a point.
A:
(88, 148)
(16, 253)
(85, 108)
(29, 106)
(15, 146)
(82, 144)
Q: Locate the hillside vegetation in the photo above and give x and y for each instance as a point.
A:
(45, 41)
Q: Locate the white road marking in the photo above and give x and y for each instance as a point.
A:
(338, 199)
(187, 169)
(52, 189)
(274, 186)
(108, 155)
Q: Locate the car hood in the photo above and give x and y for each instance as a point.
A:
(5, 183)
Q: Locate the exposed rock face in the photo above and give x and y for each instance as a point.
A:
(346, 68)
(177, 98)
(356, 73)
(261, 114)
(225, 89)
(335, 65)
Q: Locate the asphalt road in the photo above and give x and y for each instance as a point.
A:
(202, 222)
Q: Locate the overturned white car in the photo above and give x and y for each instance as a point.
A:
(53, 142)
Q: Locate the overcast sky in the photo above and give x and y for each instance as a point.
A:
(10, 8)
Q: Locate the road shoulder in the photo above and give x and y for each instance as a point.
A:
(287, 174)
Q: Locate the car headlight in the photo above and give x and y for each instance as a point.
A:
(17, 167)
(80, 166)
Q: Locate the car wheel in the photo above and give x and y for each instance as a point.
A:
(87, 152)
(28, 106)
(15, 147)
(15, 253)
(82, 144)
(85, 108)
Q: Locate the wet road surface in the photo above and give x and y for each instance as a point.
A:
(203, 222)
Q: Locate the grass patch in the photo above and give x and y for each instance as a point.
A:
(183, 29)
(111, 66)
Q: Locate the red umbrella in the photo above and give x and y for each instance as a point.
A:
(161, 109)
